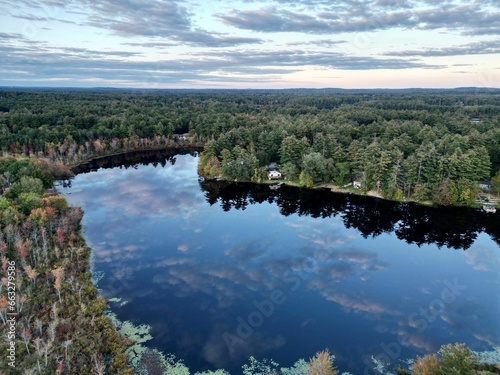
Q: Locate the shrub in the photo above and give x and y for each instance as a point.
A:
(306, 179)
(422, 192)
(4, 203)
(398, 195)
(58, 203)
(256, 367)
(28, 202)
(428, 365)
(456, 360)
(27, 185)
(495, 184)
(216, 372)
(322, 364)
(299, 368)
(446, 194)
(290, 171)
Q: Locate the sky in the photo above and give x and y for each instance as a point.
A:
(250, 43)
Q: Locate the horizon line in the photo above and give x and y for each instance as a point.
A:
(2, 87)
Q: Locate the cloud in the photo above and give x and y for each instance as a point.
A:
(167, 19)
(247, 251)
(183, 247)
(203, 38)
(483, 258)
(168, 43)
(130, 18)
(38, 19)
(472, 19)
(318, 43)
(155, 45)
(39, 62)
(295, 58)
(417, 341)
(489, 338)
(215, 53)
(172, 204)
(10, 36)
(360, 305)
(393, 4)
(349, 16)
(343, 270)
(270, 19)
(476, 48)
(216, 351)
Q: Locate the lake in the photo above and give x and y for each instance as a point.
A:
(224, 271)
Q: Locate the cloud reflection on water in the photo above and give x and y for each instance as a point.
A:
(152, 230)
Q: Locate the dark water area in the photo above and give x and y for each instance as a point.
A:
(134, 159)
(224, 271)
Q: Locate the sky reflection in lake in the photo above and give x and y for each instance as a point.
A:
(219, 286)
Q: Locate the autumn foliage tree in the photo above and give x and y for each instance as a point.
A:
(452, 359)
(322, 364)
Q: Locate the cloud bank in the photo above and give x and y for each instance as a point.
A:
(184, 43)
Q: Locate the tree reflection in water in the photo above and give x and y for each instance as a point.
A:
(454, 227)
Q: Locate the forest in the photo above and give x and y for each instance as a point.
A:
(426, 145)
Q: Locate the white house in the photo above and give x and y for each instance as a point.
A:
(273, 175)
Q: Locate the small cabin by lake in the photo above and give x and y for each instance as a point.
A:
(273, 175)
(180, 137)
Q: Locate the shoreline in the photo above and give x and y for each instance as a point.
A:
(198, 146)
(347, 191)
(189, 147)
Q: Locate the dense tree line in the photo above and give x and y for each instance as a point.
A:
(442, 159)
(429, 145)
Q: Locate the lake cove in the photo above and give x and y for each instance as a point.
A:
(223, 271)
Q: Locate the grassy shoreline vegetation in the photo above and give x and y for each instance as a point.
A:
(403, 144)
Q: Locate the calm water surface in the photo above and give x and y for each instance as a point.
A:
(224, 271)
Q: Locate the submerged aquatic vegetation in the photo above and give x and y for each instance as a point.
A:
(489, 356)
(145, 360)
